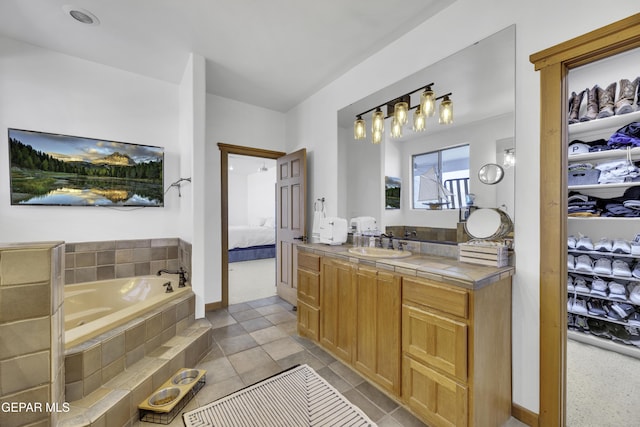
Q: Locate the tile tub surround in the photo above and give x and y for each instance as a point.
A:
(115, 403)
(110, 259)
(95, 362)
(31, 331)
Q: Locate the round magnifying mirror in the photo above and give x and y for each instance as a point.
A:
(491, 173)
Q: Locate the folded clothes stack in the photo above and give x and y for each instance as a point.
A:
(627, 205)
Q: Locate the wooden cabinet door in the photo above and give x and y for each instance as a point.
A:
(377, 352)
(337, 307)
(440, 400)
(309, 287)
(438, 341)
(308, 321)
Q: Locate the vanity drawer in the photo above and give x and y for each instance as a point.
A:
(435, 340)
(444, 298)
(309, 261)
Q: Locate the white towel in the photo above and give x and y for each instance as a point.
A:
(315, 227)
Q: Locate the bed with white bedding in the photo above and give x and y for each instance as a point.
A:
(247, 242)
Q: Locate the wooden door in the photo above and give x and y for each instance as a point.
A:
(291, 201)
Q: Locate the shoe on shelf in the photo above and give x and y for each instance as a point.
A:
(584, 244)
(634, 335)
(594, 307)
(580, 285)
(634, 294)
(636, 271)
(617, 291)
(571, 242)
(579, 306)
(624, 310)
(604, 245)
(598, 328)
(571, 262)
(602, 266)
(620, 268)
(585, 263)
(619, 333)
(611, 313)
(581, 324)
(621, 247)
(599, 287)
(634, 319)
(571, 323)
(570, 287)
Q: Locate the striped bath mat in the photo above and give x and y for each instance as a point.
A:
(296, 397)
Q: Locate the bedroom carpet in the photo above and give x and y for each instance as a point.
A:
(251, 280)
(295, 397)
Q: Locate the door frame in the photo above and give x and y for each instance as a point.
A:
(225, 150)
(554, 64)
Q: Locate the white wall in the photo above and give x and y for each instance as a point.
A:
(237, 199)
(539, 25)
(227, 123)
(261, 196)
(46, 91)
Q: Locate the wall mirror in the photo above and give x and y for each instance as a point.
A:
(481, 80)
(491, 174)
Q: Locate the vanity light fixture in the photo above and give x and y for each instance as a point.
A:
(419, 120)
(509, 158)
(359, 129)
(398, 109)
(446, 111)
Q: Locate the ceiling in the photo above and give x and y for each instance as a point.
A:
(272, 54)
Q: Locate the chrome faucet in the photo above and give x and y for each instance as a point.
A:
(181, 271)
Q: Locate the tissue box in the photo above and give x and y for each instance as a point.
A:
(484, 254)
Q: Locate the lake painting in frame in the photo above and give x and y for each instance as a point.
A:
(392, 192)
(60, 170)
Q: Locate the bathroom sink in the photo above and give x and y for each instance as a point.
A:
(379, 252)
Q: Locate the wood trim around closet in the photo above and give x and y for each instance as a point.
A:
(225, 150)
(554, 64)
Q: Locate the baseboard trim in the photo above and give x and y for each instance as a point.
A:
(524, 415)
(213, 306)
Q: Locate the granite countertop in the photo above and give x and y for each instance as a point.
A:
(439, 268)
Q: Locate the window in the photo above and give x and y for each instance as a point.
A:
(441, 178)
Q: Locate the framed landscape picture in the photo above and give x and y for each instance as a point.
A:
(61, 170)
(391, 192)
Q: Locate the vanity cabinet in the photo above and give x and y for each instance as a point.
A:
(337, 307)
(456, 352)
(309, 295)
(377, 351)
(442, 350)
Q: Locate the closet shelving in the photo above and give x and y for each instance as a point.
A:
(612, 227)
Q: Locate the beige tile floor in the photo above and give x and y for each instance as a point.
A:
(257, 339)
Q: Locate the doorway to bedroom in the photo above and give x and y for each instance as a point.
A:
(251, 227)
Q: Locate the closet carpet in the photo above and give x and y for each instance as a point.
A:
(603, 387)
